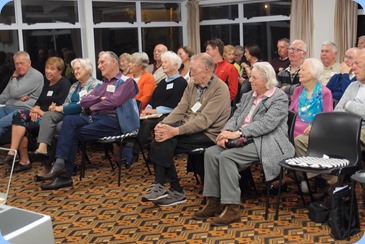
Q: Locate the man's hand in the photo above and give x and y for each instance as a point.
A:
(345, 69)
(23, 98)
(164, 132)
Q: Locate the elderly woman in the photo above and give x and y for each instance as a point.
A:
(53, 94)
(310, 98)
(124, 60)
(146, 82)
(260, 122)
(82, 69)
(164, 99)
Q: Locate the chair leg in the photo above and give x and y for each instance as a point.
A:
(267, 204)
(83, 160)
(279, 193)
(252, 182)
(144, 157)
(351, 207)
(107, 155)
(298, 186)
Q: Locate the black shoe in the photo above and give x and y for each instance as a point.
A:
(58, 183)
(21, 167)
(9, 159)
(274, 190)
(37, 156)
(57, 170)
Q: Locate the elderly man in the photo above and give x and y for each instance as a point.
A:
(339, 82)
(288, 78)
(281, 62)
(224, 70)
(156, 68)
(328, 58)
(113, 110)
(361, 42)
(22, 91)
(195, 122)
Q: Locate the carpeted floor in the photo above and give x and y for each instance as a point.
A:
(96, 210)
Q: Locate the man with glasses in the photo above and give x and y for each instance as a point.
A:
(288, 78)
(281, 62)
(328, 58)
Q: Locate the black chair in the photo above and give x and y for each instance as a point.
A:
(335, 134)
(248, 173)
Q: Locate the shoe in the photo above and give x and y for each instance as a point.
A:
(58, 183)
(46, 168)
(212, 208)
(274, 190)
(18, 167)
(58, 169)
(34, 155)
(230, 214)
(155, 192)
(9, 159)
(128, 156)
(173, 198)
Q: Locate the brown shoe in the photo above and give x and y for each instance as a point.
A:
(231, 213)
(211, 209)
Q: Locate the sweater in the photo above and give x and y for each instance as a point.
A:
(56, 93)
(213, 113)
(146, 85)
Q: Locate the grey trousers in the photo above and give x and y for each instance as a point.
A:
(222, 167)
(50, 125)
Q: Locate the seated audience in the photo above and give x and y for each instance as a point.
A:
(311, 97)
(252, 54)
(21, 92)
(113, 110)
(282, 62)
(288, 78)
(328, 58)
(146, 82)
(164, 99)
(54, 92)
(259, 121)
(339, 82)
(223, 70)
(52, 119)
(124, 62)
(185, 54)
(155, 69)
(196, 121)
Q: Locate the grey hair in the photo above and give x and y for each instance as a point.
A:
(204, 59)
(332, 44)
(111, 55)
(85, 63)
(173, 57)
(304, 45)
(316, 68)
(268, 72)
(140, 58)
(21, 53)
(127, 56)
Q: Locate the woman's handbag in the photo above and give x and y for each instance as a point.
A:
(238, 142)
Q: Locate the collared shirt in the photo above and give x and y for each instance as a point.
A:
(256, 101)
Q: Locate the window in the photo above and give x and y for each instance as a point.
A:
(229, 34)
(219, 12)
(152, 12)
(114, 12)
(7, 14)
(43, 11)
(267, 9)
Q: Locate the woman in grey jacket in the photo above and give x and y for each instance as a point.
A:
(260, 121)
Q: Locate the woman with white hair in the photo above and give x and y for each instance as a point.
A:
(52, 119)
(310, 98)
(146, 82)
(257, 132)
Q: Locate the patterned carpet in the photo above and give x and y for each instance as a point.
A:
(96, 210)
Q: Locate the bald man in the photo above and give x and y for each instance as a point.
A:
(156, 68)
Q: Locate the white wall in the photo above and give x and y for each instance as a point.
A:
(323, 15)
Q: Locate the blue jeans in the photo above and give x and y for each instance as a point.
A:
(76, 129)
(6, 117)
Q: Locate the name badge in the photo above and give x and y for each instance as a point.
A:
(82, 93)
(196, 107)
(49, 93)
(169, 86)
(110, 88)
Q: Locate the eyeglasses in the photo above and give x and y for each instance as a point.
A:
(295, 50)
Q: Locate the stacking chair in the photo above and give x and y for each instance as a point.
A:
(291, 124)
(335, 134)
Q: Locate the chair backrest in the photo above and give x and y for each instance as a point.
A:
(291, 125)
(336, 134)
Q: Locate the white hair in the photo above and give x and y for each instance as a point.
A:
(268, 72)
